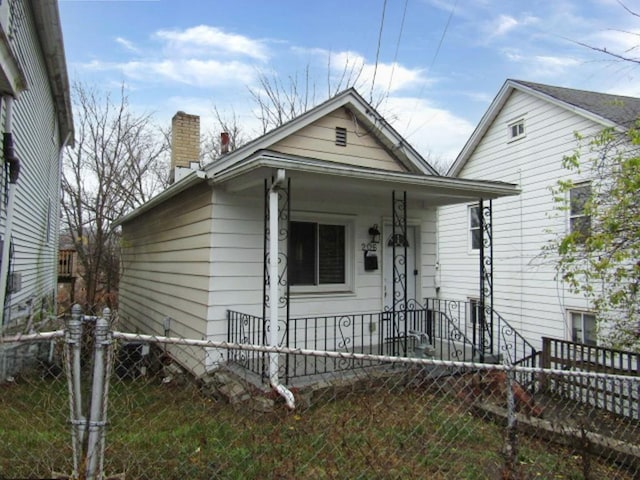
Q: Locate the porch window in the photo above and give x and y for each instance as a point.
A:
(583, 328)
(317, 254)
(579, 221)
(475, 230)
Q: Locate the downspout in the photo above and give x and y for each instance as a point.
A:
(14, 169)
(274, 293)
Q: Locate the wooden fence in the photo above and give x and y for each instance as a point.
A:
(615, 395)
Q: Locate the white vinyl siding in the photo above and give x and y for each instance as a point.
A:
(526, 291)
(34, 127)
(318, 140)
(165, 270)
(238, 263)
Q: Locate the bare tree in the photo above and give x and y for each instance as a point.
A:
(629, 55)
(279, 101)
(210, 143)
(119, 163)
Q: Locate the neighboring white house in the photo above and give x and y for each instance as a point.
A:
(36, 114)
(194, 258)
(522, 139)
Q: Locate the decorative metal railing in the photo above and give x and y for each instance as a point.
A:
(496, 341)
(443, 329)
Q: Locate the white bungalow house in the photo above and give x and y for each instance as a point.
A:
(522, 139)
(354, 207)
(36, 121)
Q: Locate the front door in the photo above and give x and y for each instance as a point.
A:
(388, 266)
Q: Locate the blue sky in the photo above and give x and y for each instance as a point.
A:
(437, 70)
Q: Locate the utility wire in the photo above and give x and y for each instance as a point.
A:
(375, 69)
(433, 61)
(395, 56)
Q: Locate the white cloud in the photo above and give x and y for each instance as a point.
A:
(127, 44)
(391, 77)
(432, 131)
(209, 41)
(536, 66)
(351, 68)
(504, 24)
(199, 73)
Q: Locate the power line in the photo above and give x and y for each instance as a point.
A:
(433, 61)
(375, 69)
(395, 56)
(444, 33)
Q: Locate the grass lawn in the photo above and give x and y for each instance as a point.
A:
(168, 431)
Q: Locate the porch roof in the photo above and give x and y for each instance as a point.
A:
(343, 182)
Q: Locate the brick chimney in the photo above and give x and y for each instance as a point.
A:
(185, 144)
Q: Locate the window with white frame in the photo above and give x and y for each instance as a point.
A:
(475, 228)
(318, 257)
(516, 130)
(579, 221)
(583, 328)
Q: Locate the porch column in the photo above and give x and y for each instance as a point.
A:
(485, 317)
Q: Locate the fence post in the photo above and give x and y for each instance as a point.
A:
(99, 390)
(73, 343)
(510, 446)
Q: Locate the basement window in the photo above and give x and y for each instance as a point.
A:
(341, 136)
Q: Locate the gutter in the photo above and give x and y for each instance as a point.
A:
(274, 291)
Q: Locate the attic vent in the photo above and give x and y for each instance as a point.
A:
(341, 136)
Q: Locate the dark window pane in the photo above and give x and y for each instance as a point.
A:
(302, 256)
(474, 217)
(582, 226)
(331, 254)
(578, 197)
(476, 239)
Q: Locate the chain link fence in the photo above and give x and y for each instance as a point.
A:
(383, 417)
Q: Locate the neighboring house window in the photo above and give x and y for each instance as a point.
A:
(579, 221)
(583, 328)
(516, 130)
(317, 254)
(475, 229)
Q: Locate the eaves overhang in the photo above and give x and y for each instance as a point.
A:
(446, 190)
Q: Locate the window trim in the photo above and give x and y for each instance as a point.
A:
(510, 136)
(471, 229)
(348, 221)
(582, 313)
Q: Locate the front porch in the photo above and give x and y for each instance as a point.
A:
(442, 329)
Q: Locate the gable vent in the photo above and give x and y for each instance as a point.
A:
(341, 136)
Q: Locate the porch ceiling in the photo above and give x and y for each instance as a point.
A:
(348, 183)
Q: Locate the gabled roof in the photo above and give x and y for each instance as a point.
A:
(372, 121)
(249, 165)
(609, 110)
